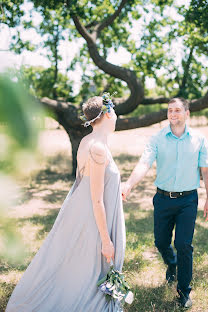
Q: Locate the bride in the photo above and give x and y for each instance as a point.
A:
(89, 231)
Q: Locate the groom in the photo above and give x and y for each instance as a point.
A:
(179, 152)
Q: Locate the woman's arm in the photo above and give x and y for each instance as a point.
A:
(98, 162)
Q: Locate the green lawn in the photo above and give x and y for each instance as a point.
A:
(43, 193)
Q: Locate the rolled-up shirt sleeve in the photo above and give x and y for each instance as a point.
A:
(150, 152)
(203, 153)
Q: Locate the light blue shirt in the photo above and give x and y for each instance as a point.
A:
(178, 159)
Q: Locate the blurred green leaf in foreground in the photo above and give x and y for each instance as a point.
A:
(19, 117)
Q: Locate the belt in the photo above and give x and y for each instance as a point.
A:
(175, 194)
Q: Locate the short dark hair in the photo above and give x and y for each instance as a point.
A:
(92, 107)
(182, 100)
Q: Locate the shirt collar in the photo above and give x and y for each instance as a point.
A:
(168, 130)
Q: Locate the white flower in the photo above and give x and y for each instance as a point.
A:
(103, 287)
(130, 297)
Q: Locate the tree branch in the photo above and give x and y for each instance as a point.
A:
(199, 104)
(90, 39)
(122, 73)
(92, 24)
(186, 72)
(142, 121)
(109, 20)
(55, 105)
(68, 110)
(159, 100)
(155, 117)
(195, 105)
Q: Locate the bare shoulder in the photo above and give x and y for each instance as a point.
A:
(84, 144)
(85, 140)
(98, 148)
(98, 153)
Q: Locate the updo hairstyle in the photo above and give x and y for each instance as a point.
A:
(92, 108)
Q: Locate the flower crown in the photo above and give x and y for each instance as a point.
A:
(107, 105)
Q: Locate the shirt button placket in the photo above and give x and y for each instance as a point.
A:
(177, 164)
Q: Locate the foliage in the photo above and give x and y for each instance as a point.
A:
(148, 30)
(11, 12)
(40, 82)
(19, 116)
(197, 15)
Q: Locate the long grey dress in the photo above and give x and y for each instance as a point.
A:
(62, 276)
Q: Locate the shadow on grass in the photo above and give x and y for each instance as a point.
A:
(200, 241)
(143, 227)
(42, 181)
(5, 293)
(55, 196)
(49, 176)
(45, 221)
(125, 158)
(58, 168)
(125, 164)
(154, 299)
(139, 236)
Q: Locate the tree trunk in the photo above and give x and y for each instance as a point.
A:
(75, 136)
(182, 87)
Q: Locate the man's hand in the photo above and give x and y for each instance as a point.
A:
(125, 190)
(136, 176)
(206, 210)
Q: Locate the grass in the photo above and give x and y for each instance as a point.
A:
(43, 193)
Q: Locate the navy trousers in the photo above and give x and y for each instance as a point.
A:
(181, 214)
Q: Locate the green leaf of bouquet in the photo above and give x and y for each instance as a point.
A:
(126, 284)
(102, 280)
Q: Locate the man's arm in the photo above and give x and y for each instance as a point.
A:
(204, 171)
(136, 176)
(142, 167)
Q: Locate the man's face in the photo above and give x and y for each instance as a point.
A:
(176, 114)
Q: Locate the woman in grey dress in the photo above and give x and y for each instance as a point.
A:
(88, 233)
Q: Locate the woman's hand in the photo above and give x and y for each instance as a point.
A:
(108, 251)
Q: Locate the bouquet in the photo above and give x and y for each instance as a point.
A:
(114, 286)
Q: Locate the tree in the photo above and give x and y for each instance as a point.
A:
(107, 24)
(40, 83)
(52, 26)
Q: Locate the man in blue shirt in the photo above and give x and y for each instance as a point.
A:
(179, 152)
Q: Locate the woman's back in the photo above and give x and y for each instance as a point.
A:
(86, 151)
